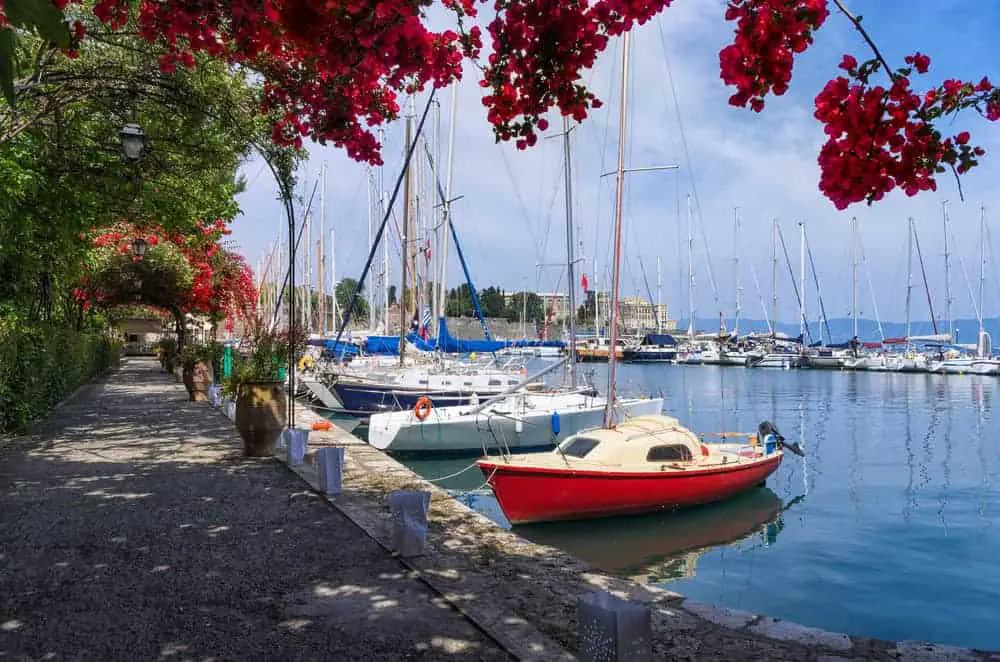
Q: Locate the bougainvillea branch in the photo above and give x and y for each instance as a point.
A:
(879, 138)
(181, 273)
(333, 69)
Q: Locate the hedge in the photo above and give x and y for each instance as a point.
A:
(41, 364)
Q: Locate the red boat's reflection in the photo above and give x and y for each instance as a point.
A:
(662, 546)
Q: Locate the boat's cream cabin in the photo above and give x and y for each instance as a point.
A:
(649, 441)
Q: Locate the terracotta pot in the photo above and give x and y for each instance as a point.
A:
(261, 411)
(197, 379)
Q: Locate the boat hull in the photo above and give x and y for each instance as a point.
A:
(541, 494)
(649, 356)
(952, 367)
(985, 367)
(371, 398)
(777, 361)
(596, 356)
(457, 431)
(825, 362)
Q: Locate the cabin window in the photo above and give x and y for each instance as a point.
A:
(421, 381)
(672, 453)
(494, 382)
(580, 447)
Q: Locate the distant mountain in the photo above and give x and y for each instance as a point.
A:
(842, 329)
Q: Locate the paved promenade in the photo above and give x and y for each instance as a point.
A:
(131, 529)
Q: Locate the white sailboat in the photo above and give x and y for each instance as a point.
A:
(984, 362)
(626, 467)
(514, 419)
(951, 361)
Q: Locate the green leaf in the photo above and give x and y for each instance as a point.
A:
(41, 15)
(7, 65)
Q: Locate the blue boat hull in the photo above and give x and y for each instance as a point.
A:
(373, 398)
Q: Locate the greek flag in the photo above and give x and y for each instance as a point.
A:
(425, 323)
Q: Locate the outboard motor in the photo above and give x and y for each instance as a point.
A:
(770, 438)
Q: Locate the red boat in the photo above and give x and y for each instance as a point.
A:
(644, 464)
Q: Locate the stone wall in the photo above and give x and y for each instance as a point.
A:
(470, 328)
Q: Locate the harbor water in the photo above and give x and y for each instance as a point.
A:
(887, 528)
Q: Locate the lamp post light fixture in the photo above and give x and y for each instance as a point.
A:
(139, 247)
(133, 141)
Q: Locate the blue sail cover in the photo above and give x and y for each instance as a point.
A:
(338, 348)
(385, 345)
(422, 344)
(539, 343)
(659, 339)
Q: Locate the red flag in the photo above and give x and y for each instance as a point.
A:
(583, 282)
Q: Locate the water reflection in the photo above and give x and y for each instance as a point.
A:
(903, 489)
(664, 547)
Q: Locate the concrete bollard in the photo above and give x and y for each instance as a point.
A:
(409, 521)
(330, 467)
(298, 443)
(215, 395)
(613, 630)
(230, 409)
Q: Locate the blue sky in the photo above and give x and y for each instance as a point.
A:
(511, 215)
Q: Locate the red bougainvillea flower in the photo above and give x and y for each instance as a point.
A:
(880, 139)
(333, 69)
(769, 33)
(222, 283)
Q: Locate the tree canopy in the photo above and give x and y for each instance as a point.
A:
(64, 181)
(335, 71)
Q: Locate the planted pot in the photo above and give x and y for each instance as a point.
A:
(261, 412)
(197, 378)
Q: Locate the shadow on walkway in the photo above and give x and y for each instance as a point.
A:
(131, 528)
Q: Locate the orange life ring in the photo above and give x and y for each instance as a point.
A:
(423, 408)
(322, 425)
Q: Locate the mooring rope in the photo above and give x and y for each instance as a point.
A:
(457, 473)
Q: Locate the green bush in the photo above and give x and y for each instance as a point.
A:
(41, 363)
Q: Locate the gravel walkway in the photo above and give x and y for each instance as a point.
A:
(131, 529)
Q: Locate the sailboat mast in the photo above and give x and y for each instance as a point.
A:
(435, 257)
(947, 272)
(383, 205)
(321, 267)
(909, 277)
(659, 297)
(609, 409)
(854, 274)
(403, 246)
(333, 274)
(774, 277)
(802, 278)
(597, 303)
(571, 278)
(690, 261)
(446, 207)
(736, 263)
(871, 287)
(923, 273)
(982, 265)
